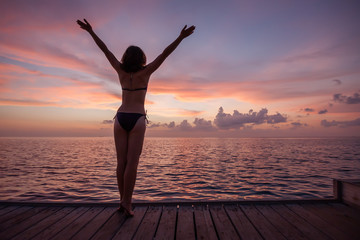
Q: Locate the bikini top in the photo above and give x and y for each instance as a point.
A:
(136, 89)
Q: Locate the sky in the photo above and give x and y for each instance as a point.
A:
(251, 69)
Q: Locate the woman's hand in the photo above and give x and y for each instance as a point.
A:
(86, 26)
(185, 32)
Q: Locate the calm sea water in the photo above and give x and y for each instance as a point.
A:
(83, 169)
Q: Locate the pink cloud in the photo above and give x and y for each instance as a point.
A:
(185, 89)
(25, 102)
(23, 86)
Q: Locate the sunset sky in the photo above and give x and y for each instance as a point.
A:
(251, 69)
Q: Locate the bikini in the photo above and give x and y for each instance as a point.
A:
(128, 120)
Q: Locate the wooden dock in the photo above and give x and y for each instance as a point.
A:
(337, 218)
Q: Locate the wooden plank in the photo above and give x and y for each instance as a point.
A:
(107, 230)
(3, 206)
(306, 228)
(128, 229)
(13, 214)
(167, 223)
(350, 212)
(242, 224)
(222, 223)
(317, 222)
(6, 210)
(203, 223)
(229, 202)
(19, 218)
(185, 228)
(337, 219)
(52, 230)
(149, 223)
(19, 228)
(351, 194)
(78, 223)
(263, 226)
(286, 229)
(43, 224)
(95, 223)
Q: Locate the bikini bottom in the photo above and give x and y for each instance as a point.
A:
(128, 120)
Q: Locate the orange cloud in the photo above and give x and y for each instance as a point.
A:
(190, 113)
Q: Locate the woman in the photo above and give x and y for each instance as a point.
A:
(129, 126)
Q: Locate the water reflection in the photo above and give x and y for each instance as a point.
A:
(83, 169)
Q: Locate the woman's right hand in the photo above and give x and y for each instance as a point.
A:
(84, 25)
(185, 32)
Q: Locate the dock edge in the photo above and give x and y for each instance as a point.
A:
(347, 191)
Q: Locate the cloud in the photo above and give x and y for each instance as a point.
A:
(298, 124)
(354, 99)
(108, 121)
(309, 110)
(351, 123)
(202, 124)
(154, 125)
(323, 111)
(337, 81)
(199, 124)
(185, 112)
(171, 124)
(26, 102)
(31, 87)
(260, 87)
(276, 118)
(237, 120)
(167, 125)
(184, 125)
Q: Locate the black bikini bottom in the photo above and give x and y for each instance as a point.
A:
(128, 120)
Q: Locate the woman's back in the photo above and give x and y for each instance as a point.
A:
(134, 87)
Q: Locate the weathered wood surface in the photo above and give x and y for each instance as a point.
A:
(347, 191)
(351, 193)
(281, 220)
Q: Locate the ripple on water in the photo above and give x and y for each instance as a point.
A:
(83, 169)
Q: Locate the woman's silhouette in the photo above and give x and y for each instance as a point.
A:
(129, 126)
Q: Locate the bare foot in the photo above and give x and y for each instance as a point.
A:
(127, 209)
(120, 208)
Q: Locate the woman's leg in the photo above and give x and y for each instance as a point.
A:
(135, 144)
(120, 136)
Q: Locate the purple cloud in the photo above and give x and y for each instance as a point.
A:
(171, 124)
(155, 125)
(351, 123)
(202, 124)
(337, 81)
(237, 119)
(323, 111)
(298, 124)
(108, 121)
(184, 125)
(309, 110)
(354, 99)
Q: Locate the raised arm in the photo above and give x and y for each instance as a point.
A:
(185, 32)
(109, 55)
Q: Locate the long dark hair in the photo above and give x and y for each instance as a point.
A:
(133, 60)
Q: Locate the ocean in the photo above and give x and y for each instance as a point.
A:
(171, 169)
